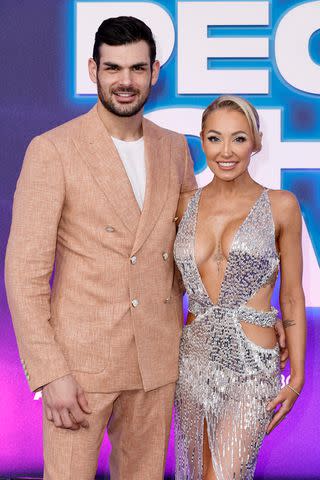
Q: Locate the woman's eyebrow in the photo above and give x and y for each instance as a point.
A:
(234, 133)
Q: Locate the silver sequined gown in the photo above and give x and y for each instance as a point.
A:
(225, 378)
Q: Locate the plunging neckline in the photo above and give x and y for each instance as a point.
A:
(237, 231)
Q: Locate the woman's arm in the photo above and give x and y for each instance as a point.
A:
(291, 301)
(182, 204)
(291, 292)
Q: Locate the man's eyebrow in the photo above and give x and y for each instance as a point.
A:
(140, 64)
(112, 64)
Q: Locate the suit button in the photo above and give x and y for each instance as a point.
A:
(133, 260)
(167, 300)
(135, 302)
(165, 256)
(109, 228)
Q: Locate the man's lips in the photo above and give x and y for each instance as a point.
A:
(125, 96)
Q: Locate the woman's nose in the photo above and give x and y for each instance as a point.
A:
(226, 150)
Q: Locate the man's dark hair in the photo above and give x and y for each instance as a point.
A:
(121, 31)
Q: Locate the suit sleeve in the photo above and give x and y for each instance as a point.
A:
(189, 180)
(37, 208)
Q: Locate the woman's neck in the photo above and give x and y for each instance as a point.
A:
(239, 186)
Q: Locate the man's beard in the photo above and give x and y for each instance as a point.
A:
(124, 110)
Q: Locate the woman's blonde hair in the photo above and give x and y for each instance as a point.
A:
(237, 104)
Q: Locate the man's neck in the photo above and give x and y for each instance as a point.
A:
(123, 128)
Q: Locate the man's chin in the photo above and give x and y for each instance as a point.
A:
(126, 113)
(123, 110)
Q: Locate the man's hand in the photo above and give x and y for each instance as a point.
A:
(284, 354)
(65, 403)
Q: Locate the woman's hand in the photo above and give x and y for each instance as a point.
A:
(286, 397)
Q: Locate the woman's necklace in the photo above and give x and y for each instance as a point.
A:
(218, 257)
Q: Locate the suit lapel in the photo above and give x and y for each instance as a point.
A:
(157, 155)
(101, 156)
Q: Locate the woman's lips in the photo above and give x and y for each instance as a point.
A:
(227, 165)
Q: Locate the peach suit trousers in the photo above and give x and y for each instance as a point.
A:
(138, 425)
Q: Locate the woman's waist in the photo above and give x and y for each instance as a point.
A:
(243, 313)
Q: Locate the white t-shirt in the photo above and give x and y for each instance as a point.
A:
(132, 156)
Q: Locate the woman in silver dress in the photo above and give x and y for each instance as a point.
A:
(233, 236)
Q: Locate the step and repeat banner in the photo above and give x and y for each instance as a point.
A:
(268, 51)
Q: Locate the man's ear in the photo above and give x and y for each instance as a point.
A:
(155, 72)
(93, 70)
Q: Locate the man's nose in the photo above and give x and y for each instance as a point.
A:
(125, 77)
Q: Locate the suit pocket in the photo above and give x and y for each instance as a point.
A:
(84, 337)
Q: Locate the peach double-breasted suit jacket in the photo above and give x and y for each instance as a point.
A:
(113, 316)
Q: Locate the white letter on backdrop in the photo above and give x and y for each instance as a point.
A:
(292, 47)
(194, 47)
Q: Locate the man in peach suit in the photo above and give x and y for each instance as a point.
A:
(97, 198)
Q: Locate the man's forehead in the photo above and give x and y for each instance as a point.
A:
(127, 54)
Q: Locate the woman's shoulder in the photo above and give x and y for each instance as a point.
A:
(283, 199)
(285, 206)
